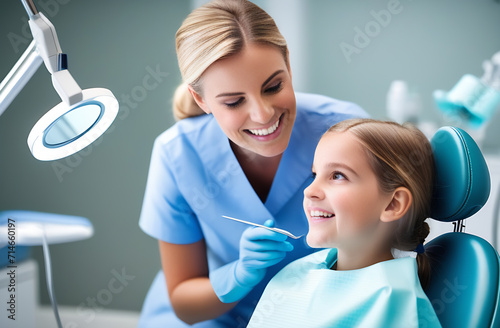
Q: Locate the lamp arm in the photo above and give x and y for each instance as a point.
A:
(30, 7)
(44, 47)
(19, 75)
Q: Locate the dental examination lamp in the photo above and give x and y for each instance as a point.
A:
(81, 117)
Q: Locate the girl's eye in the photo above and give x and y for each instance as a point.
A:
(234, 103)
(313, 175)
(274, 88)
(338, 176)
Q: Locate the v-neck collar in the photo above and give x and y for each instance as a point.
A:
(293, 170)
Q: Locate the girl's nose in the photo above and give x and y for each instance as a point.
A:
(313, 191)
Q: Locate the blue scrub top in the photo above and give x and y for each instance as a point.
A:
(194, 178)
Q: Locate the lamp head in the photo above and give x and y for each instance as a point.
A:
(67, 129)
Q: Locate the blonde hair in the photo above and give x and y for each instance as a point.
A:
(400, 156)
(214, 31)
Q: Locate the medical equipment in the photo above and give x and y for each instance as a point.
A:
(403, 105)
(281, 231)
(28, 228)
(465, 282)
(81, 117)
(472, 101)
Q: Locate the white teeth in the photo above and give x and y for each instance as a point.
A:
(265, 132)
(321, 214)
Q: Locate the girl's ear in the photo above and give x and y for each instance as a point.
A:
(398, 206)
(199, 100)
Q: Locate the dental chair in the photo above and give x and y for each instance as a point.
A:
(464, 287)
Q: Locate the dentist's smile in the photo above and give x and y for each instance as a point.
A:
(269, 133)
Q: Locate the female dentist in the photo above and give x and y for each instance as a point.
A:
(243, 147)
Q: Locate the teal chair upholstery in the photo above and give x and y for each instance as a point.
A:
(465, 269)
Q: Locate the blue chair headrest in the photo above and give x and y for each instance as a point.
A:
(462, 180)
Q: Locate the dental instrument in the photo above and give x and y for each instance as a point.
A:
(281, 231)
(81, 117)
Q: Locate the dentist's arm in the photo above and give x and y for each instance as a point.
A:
(196, 297)
(191, 294)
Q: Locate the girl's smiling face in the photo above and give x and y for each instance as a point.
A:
(344, 203)
(251, 96)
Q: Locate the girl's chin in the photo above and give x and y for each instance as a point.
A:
(318, 242)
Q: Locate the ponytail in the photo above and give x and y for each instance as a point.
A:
(184, 104)
(423, 264)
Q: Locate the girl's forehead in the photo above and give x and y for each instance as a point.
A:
(343, 147)
(340, 145)
(339, 140)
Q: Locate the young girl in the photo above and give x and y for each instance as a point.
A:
(371, 193)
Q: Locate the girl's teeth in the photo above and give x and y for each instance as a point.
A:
(265, 132)
(321, 214)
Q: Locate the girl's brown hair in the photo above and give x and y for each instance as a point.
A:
(214, 31)
(400, 156)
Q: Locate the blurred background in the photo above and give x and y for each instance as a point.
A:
(118, 44)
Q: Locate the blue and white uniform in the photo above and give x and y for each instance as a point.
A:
(307, 293)
(195, 178)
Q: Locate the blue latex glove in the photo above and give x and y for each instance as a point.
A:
(259, 249)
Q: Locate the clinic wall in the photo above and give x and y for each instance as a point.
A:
(118, 44)
(429, 44)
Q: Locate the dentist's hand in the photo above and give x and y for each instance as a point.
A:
(259, 249)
